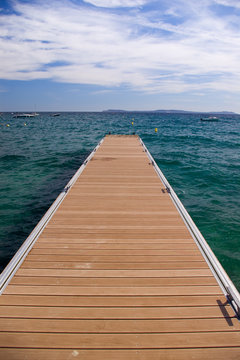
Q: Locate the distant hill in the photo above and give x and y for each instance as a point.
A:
(172, 112)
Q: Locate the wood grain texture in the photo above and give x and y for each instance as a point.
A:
(153, 354)
(109, 301)
(118, 326)
(120, 341)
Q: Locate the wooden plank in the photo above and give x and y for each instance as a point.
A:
(124, 228)
(131, 170)
(114, 246)
(112, 265)
(106, 240)
(101, 170)
(166, 354)
(116, 216)
(115, 179)
(71, 281)
(106, 301)
(113, 291)
(95, 222)
(113, 204)
(143, 195)
(207, 312)
(92, 236)
(170, 232)
(129, 252)
(114, 273)
(116, 213)
(120, 341)
(119, 326)
(158, 198)
(117, 258)
(122, 188)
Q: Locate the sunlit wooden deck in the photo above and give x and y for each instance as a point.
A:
(116, 275)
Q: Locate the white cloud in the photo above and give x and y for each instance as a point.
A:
(231, 3)
(144, 51)
(116, 3)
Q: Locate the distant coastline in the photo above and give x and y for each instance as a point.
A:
(171, 112)
(128, 111)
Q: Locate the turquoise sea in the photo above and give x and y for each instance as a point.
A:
(201, 160)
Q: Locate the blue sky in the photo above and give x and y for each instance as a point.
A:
(92, 55)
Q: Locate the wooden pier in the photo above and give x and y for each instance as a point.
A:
(116, 275)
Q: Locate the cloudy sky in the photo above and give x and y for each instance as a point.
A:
(120, 54)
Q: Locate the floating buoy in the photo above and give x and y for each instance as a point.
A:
(156, 130)
(7, 125)
(132, 122)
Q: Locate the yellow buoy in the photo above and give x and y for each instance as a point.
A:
(156, 130)
(132, 122)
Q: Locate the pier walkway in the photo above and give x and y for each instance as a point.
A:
(116, 275)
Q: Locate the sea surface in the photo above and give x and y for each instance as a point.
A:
(201, 160)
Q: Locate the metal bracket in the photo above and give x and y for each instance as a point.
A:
(167, 189)
(234, 304)
(65, 190)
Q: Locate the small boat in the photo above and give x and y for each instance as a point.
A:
(57, 114)
(25, 115)
(210, 119)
